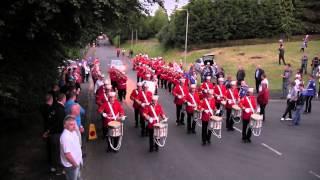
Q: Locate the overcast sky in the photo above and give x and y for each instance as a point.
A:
(169, 5)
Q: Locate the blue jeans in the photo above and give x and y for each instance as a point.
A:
(297, 115)
(72, 173)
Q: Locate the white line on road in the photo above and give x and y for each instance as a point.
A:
(315, 174)
(272, 149)
(237, 129)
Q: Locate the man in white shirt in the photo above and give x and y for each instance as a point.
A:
(70, 149)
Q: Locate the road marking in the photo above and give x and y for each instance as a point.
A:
(237, 129)
(315, 174)
(272, 149)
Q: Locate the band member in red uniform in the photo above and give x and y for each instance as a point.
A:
(144, 99)
(248, 106)
(136, 106)
(153, 114)
(179, 92)
(220, 92)
(192, 99)
(232, 97)
(111, 111)
(122, 86)
(205, 86)
(208, 106)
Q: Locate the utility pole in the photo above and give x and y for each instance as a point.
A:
(136, 36)
(131, 39)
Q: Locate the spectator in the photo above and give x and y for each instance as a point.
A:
(70, 150)
(258, 76)
(310, 92)
(286, 76)
(264, 80)
(243, 89)
(314, 65)
(291, 101)
(56, 128)
(240, 75)
(299, 106)
(47, 115)
(281, 54)
(304, 63)
(263, 98)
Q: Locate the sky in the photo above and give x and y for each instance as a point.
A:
(169, 5)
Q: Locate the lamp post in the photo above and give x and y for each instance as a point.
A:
(186, 38)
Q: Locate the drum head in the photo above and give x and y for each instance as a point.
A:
(257, 117)
(158, 125)
(216, 118)
(236, 107)
(114, 124)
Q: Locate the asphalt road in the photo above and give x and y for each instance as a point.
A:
(282, 152)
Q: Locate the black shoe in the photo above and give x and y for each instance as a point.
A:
(193, 132)
(244, 140)
(204, 143)
(249, 140)
(151, 150)
(231, 129)
(189, 132)
(157, 149)
(182, 123)
(177, 123)
(209, 142)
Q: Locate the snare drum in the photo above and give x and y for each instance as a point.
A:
(236, 111)
(216, 122)
(160, 130)
(256, 120)
(114, 129)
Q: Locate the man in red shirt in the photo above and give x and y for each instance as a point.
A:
(144, 99)
(220, 92)
(122, 86)
(248, 106)
(134, 98)
(263, 98)
(153, 114)
(232, 97)
(179, 92)
(111, 111)
(192, 99)
(205, 86)
(208, 106)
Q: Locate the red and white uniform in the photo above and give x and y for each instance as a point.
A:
(134, 96)
(207, 86)
(155, 115)
(232, 96)
(247, 109)
(205, 104)
(192, 98)
(179, 91)
(146, 98)
(101, 96)
(122, 83)
(105, 108)
(220, 92)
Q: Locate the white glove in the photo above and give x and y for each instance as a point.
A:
(205, 91)
(218, 97)
(165, 119)
(258, 110)
(143, 104)
(247, 110)
(104, 115)
(150, 119)
(179, 96)
(218, 111)
(147, 104)
(123, 118)
(230, 101)
(206, 111)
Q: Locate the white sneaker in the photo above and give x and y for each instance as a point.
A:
(282, 119)
(288, 119)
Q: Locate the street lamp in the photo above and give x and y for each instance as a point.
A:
(186, 40)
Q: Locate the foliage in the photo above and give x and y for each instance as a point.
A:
(36, 35)
(214, 21)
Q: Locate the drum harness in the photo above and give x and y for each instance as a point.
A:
(217, 134)
(197, 120)
(157, 141)
(120, 138)
(234, 101)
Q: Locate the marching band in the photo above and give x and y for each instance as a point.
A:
(203, 105)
